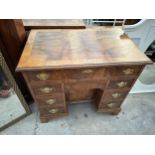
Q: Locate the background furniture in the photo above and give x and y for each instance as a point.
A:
(68, 66)
(111, 22)
(53, 24)
(143, 34)
(12, 41)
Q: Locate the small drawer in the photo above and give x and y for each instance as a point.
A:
(51, 111)
(53, 100)
(120, 84)
(36, 76)
(114, 95)
(124, 71)
(47, 88)
(110, 104)
(84, 74)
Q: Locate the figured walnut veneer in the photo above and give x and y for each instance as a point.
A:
(68, 66)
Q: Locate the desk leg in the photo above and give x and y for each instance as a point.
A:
(116, 111)
(44, 120)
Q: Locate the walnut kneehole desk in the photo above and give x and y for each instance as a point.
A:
(98, 64)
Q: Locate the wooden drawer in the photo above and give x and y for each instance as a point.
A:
(84, 74)
(47, 88)
(114, 95)
(110, 104)
(46, 118)
(52, 101)
(47, 75)
(45, 111)
(120, 83)
(123, 71)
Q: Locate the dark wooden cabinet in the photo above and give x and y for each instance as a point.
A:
(12, 41)
(30, 24)
(68, 66)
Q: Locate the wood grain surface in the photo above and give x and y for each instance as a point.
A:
(69, 66)
(99, 46)
(53, 23)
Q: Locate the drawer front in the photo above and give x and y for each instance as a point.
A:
(124, 70)
(36, 76)
(110, 104)
(47, 89)
(51, 111)
(85, 73)
(52, 101)
(114, 95)
(120, 83)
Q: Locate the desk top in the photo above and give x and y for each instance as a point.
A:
(53, 23)
(96, 46)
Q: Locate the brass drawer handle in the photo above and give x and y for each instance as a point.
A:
(122, 84)
(43, 76)
(53, 111)
(46, 90)
(87, 71)
(111, 105)
(116, 95)
(50, 101)
(128, 71)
